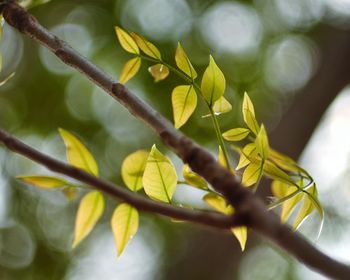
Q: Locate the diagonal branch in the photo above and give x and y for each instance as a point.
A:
(116, 192)
(250, 209)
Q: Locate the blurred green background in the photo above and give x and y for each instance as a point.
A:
(292, 57)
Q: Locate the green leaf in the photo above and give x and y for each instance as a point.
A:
(221, 106)
(193, 179)
(285, 162)
(241, 234)
(184, 101)
(249, 114)
(236, 134)
(159, 179)
(77, 154)
(247, 152)
(133, 167)
(252, 174)
(147, 47)
(213, 83)
(159, 72)
(279, 189)
(90, 210)
(273, 172)
(130, 69)
(126, 41)
(46, 182)
(124, 222)
(217, 202)
(262, 143)
(289, 205)
(184, 63)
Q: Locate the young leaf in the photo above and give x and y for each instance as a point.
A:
(241, 234)
(222, 160)
(184, 101)
(289, 205)
(124, 222)
(46, 182)
(213, 83)
(184, 63)
(130, 69)
(126, 41)
(221, 106)
(249, 114)
(77, 154)
(236, 134)
(90, 210)
(159, 72)
(217, 202)
(273, 172)
(279, 189)
(193, 179)
(262, 143)
(159, 178)
(285, 162)
(133, 167)
(147, 47)
(252, 174)
(247, 152)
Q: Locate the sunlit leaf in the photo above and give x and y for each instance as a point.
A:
(236, 134)
(279, 189)
(222, 159)
(46, 182)
(249, 114)
(213, 83)
(262, 143)
(217, 202)
(146, 46)
(133, 167)
(221, 106)
(130, 69)
(241, 234)
(124, 222)
(273, 172)
(184, 63)
(159, 178)
(184, 101)
(252, 174)
(285, 162)
(77, 154)
(248, 151)
(126, 41)
(159, 72)
(70, 193)
(289, 205)
(90, 210)
(193, 178)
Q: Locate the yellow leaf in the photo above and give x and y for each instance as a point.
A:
(159, 72)
(247, 152)
(285, 162)
(193, 178)
(184, 101)
(222, 160)
(159, 179)
(70, 193)
(46, 182)
(124, 222)
(236, 134)
(133, 167)
(217, 202)
(262, 143)
(252, 174)
(241, 235)
(77, 154)
(288, 205)
(221, 106)
(273, 172)
(213, 83)
(249, 114)
(279, 189)
(126, 41)
(90, 210)
(184, 63)
(146, 46)
(130, 69)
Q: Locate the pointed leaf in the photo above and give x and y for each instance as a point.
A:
(222, 159)
(289, 205)
(252, 174)
(159, 72)
(221, 106)
(130, 69)
(90, 210)
(262, 143)
(147, 47)
(184, 101)
(247, 152)
(184, 63)
(159, 178)
(217, 202)
(46, 182)
(241, 233)
(125, 222)
(249, 114)
(193, 178)
(133, 167)
(279, 189)
(77, 154)
(126, 41)
(213, 83)
(273, 172)
(236, 134)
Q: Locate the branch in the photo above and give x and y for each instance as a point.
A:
(139, 202)
(249, 208)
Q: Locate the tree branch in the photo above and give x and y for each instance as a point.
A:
(251, 209)
(117, 192)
